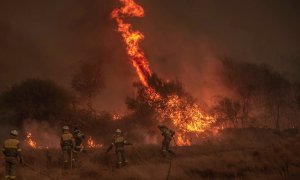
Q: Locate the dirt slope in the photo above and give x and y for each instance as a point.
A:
(233, 154)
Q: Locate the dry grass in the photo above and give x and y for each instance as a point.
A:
(235, 154)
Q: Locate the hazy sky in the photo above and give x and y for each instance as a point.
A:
(48, 39)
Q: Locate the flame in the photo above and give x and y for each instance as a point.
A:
(116, 117)
(186, 117)
(30, 140)
(32, 143)
(182, 141)
(133, 38)
(92, 144)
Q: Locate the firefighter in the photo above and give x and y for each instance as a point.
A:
(67, 144)
(79, 137)
(168, 136)
(119, 143)
(12, 152)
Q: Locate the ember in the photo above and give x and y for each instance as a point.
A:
(116, 117)
(185, 116)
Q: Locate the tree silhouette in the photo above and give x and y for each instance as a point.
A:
(38, 99)
(89, 82)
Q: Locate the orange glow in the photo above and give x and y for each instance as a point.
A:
(92, 144)
(116, 117)
(132, 38)
(30, 140)
(186, 117)
(182, 141)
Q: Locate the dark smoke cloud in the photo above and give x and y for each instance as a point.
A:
(184, 39)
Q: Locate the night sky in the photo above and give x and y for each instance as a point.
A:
(183, 39)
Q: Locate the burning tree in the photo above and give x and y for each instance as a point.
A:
(170, 103)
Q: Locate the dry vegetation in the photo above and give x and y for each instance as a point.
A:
(234, 154)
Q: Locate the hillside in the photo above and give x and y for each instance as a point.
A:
(232, 154)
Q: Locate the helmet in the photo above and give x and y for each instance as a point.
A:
(14, 132)
(118, 131)
(162, 126)
(76, 130)
(65, 128)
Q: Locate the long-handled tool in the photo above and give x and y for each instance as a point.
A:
(169, 170)
(71, 161)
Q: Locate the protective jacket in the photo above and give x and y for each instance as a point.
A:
(67, 141)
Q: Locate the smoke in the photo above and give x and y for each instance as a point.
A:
(44, 134)
(180, 40)
(186, 40)
(5, 131)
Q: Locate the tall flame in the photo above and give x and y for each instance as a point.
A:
(186, 117)
(133, 38)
